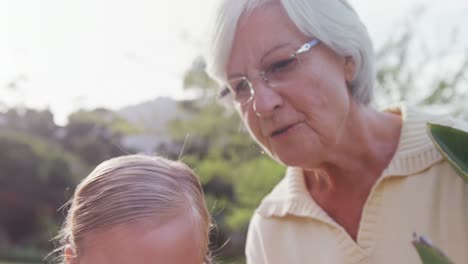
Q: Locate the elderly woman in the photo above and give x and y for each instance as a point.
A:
(359, 181)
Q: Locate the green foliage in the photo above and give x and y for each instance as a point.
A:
(252, 180)
(197, 78)
(428, 253)
(30, 121)
(30, 162)
(21, 256)
(255, 177)
(40, 164)
(236, 188)
(104, 118)
(34, 175)
(95, 135)
(453, 145)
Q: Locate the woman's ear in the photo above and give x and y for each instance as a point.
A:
(69, 255)
(349, 68)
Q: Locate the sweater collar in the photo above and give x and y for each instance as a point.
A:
(416, 151)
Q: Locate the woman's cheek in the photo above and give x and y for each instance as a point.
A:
(252, 124)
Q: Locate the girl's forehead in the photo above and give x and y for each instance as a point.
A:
(135, 243)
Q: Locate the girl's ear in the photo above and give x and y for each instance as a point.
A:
(70, 255)
(349, 68)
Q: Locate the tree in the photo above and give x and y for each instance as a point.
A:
(95, 135)
(34, 175)
(30, 121)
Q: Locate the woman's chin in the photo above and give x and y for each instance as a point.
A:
(297, 160)
(305, 154)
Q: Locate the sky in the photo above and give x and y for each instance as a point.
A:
(70, 54)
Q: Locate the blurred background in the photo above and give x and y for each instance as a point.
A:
(84, 81)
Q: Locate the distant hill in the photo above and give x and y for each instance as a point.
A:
(153, 115)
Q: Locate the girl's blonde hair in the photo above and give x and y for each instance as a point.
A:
(134, 189)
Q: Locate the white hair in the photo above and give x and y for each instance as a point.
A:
(334, 22)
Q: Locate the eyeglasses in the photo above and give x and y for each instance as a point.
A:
(275, 75)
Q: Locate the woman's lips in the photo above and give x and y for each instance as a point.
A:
(283, 131)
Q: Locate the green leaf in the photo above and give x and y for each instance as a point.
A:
(453, 145)
(428, 253)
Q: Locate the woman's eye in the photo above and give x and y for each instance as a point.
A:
(282, 65)
(239, 86)
(242, 87)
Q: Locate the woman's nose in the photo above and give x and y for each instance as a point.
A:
(265, 99)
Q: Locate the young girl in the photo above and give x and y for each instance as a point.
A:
(137, 209)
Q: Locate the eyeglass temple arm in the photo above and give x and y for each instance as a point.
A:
(224, 91)
(307, 46)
